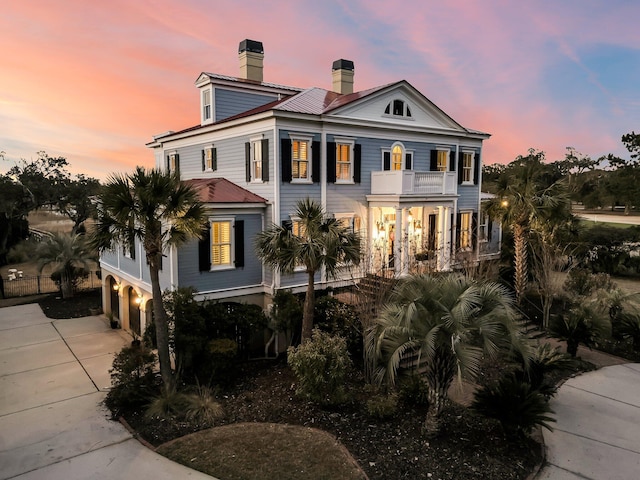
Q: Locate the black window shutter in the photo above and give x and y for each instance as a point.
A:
(285, 155)
(386, 161)
(357, 162)
(132, 250)
(214, 159)
(474, 231)
(239, 243)
(489, 229)
(458, 220)
(177, 164)
(168, 163)
(452, 245)
(331, 162)
(460, 169)
(315, 161)
(476, 168)
(434, 161)
(452, 161)
(407, 161)
(265, 160)
(247, 160)
(204, 159)
(204, 250)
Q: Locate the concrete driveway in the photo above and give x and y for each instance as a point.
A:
(597, 434)
(53, 378)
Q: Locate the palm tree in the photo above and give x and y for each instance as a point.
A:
(318, 242)
(441, 326)
(70, 255)
(161, 212)
(524, 196)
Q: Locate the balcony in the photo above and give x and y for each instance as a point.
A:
(409, 182)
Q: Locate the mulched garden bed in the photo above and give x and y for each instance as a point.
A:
(83, 304)
(470, 447)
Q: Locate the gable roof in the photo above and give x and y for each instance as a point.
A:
(221, 190)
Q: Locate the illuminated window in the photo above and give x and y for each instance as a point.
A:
(443, 157)
(300, 160)
(208, 156)
(465, 230)
(256, 161)
(173, 162)
(467, 167)
(344, 160)
(396, 158)
(206, 105)
(221, 243)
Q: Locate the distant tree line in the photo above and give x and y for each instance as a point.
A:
(42, 183)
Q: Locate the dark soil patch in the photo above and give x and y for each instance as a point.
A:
(83, 304)
(470, 446)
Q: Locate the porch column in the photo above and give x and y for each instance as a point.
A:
(444, 239)
(405, 241)
(398, 242)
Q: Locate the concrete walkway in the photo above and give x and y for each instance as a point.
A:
(597, 433)
(53, 378)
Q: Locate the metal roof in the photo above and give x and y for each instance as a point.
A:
(221, 190)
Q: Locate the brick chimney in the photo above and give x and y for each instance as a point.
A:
(251, 55)
(342, 73)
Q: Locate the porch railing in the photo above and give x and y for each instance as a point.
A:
(37, 284)
(409, 182)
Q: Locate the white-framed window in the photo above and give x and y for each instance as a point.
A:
(442, 164)
(256, 159)
(208, 158)
(300, 159)
(398, 108)
(173, 162)
(464, 230)
(397, 158)
(344, 160)
(206, 105)
(221, 243)
(483, 228)
(467, 167)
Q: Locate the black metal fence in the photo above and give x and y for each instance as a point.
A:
(37, 284)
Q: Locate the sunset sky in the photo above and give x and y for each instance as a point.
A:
(93, 81)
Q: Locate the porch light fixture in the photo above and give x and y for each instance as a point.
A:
(138, 299)
(380, 226)
(417, 225)
(504, 203)
(116, 286)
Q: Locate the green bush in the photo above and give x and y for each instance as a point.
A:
(338, 318)
(382, 405)
(167, 405)
(582, 324)
(321, 366)
(413, 390)
(202, 407)
(515, 404)
(629, 328)
(286, 314)
(133, 381)
(221, 361)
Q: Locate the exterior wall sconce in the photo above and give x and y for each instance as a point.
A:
(116, 286)
(138, 299)
(417, 225)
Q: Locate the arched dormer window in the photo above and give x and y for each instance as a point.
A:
(398, 108)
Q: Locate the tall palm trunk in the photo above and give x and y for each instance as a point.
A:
(307, 314)
(439, 375)
(66, 285)
(161, 324)
(520, 261)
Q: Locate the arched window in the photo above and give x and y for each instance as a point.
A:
(398, 108)
(396, 158)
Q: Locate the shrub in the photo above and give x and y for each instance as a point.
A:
(582, 282)
(515, 404)
(382, 405)
(629, 328)
(580, 325)
(132, 380)
(339, 318)
(413, 390)
(321, 366)
(202, 407)
(286, 313)
(221, 360)
(167, 405)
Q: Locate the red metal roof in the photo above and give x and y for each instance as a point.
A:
(221, 190)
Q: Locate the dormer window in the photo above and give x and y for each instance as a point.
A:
(206, 106)
(398, 108)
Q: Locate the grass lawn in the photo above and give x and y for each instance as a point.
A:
(591, 223)
(254, 451)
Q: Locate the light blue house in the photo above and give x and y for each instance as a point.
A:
(388, 161)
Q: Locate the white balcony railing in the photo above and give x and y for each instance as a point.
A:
(409, 182)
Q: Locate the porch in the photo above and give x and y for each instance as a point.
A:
(410, 182)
